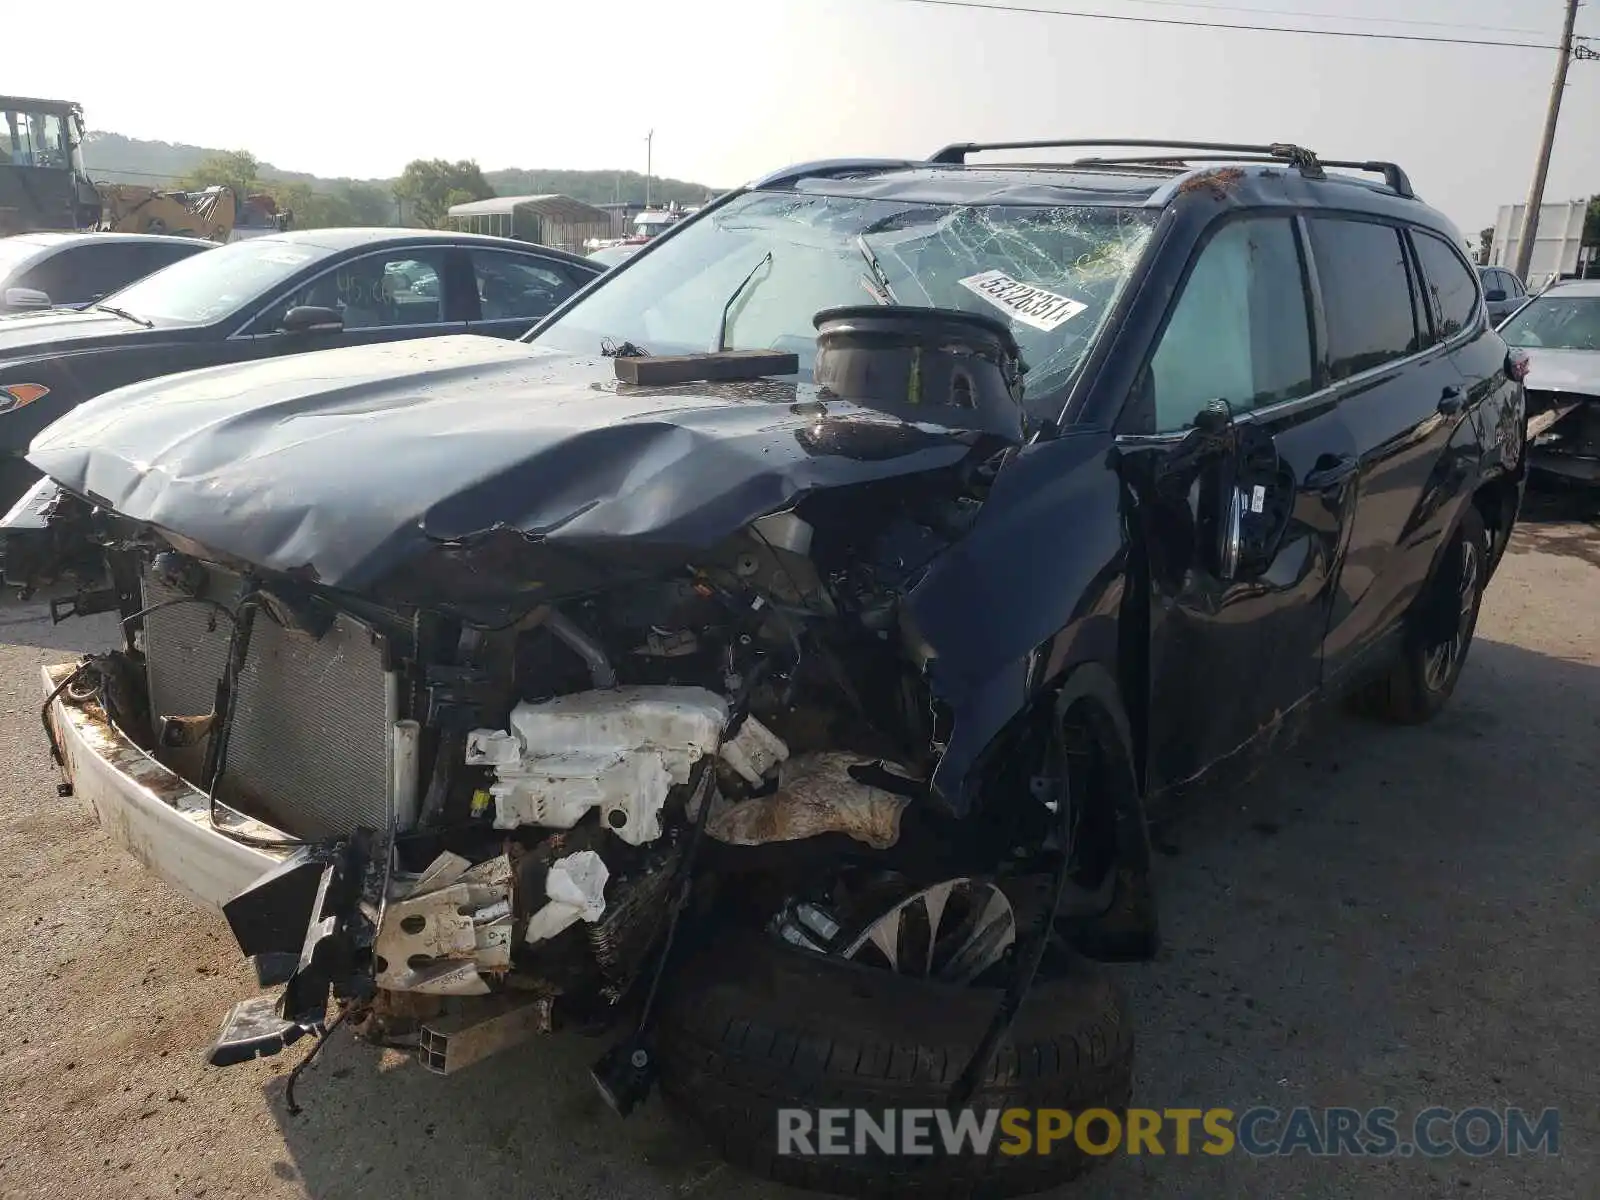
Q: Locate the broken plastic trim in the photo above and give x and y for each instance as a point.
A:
(56, 753)
(625, 1073)
(294, 1109)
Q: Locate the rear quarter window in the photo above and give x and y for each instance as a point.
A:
(1451, 285)
(1366, 293)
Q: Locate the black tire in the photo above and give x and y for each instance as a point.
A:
(753, 1026)
(1420, 682)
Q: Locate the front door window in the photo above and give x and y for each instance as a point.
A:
(376, 291)
(1240, 331)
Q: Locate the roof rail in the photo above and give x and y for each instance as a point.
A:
(1298, 157)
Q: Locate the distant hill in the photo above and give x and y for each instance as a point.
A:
(112, 158)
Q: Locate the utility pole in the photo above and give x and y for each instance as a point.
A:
(649, 140)
(1541, 169)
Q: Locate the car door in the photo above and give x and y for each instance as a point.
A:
(388, 295)
(512, 290)
(1518, 294)
(1401, 398)
(1498, 294)
(1235, 646)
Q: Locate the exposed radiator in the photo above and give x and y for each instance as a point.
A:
(311, 747)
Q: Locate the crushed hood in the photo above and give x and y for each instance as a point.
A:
(1573, 371)
(466, 471)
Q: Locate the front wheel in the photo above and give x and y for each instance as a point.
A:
(1440, 634)
(756, 1039)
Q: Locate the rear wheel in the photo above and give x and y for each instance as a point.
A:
(1424, 677)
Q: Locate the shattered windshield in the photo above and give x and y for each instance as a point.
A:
(1556, 323)
(756, 271)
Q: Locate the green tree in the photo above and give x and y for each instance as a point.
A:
(598, 187)
(312, 209)
(367, 203)
(1485, 245)
(1591, 223)
(238, 169)
(334, 205)
(429, 186)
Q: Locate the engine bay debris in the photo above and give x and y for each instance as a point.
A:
(818, 795)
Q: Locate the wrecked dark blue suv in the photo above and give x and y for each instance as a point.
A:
(779, 654)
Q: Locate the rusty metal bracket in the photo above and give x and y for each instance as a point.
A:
(481, 1027)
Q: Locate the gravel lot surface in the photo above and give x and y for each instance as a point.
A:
(1398, 917)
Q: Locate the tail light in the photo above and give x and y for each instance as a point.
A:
(1517, 364)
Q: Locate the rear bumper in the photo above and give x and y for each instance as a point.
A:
(154, 814)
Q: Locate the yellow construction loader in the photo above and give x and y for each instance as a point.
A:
(215, 213)
(44, 185)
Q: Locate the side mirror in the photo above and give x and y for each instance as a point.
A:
(1494, 297)
(1238, 493)
(311, 318)
(27, 298)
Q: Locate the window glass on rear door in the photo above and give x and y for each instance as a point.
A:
(1451, 285)
(85, 272)
(1366, 292)
(518, 286)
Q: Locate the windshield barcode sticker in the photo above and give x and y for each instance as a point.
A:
(1031, 305)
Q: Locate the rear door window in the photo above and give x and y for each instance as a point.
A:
(1239, 331)
(1366, 293)
(84, 273)
(519, 287)
(153, 257)
(1451, 285)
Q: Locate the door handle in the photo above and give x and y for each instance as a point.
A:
(1325, 479)
(1452, 400)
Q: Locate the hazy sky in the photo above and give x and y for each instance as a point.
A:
(733, 88)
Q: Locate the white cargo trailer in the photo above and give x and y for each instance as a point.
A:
(1557, 243)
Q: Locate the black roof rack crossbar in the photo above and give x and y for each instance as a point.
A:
(1296, 156)
(1176, 163)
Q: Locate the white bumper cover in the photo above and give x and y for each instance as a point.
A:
(153, 814)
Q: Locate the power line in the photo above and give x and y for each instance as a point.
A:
(1128, 18)
(1355, 19)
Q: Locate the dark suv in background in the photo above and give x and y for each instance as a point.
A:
(805, 619)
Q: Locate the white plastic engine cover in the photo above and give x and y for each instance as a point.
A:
(619, 750)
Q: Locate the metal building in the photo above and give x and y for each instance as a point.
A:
(558, 221)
